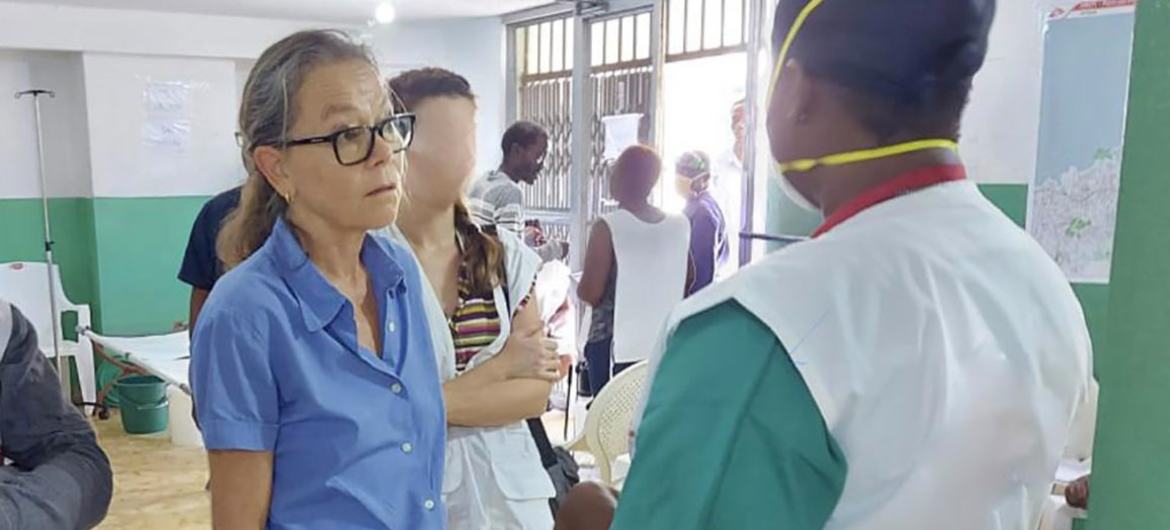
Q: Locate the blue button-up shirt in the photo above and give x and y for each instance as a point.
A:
(358, 439)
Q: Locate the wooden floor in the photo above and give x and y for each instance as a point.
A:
(157, 486)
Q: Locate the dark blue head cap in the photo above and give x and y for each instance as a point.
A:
(906, 50)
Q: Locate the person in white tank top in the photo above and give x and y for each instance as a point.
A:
(637, 267)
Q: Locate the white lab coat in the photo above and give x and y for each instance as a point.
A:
(945, 350)
(494, 478)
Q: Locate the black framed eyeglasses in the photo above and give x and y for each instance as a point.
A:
(354, 145)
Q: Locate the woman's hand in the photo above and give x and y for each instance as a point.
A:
(1076, 494)
(529, 353)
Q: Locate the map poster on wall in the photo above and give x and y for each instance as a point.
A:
(1072, 200)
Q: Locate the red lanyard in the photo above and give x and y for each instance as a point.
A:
(906, 183)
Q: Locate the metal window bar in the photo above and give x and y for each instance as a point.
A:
(622, 90)
(547, 100)
(702, 24)
(545, 97)
(726, 44)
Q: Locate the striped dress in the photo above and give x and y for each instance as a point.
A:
(475, 322)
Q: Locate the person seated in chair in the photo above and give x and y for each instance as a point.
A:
(57, 476)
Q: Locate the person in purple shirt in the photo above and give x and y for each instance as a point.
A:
(709, 247)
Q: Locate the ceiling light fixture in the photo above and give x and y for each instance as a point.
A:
(385, 13)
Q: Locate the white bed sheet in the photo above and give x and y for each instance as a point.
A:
(166, 356)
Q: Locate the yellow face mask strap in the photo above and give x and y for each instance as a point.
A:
(851, 157)
(788, 39)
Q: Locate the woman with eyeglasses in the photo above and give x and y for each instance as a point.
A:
(490, 343)
(312, 366)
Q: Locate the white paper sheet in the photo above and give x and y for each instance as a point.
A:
(621, 131)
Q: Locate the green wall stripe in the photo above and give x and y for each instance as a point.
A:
(1011, 198)
(22, 239)
(119, 256)
(140, 244)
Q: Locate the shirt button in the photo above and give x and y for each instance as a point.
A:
(396, 388)
(391, 327)
(429, 505)
(407, 448)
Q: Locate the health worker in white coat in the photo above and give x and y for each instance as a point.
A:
(490, 343)
(917, 364)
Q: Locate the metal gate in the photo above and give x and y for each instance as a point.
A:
(545, 96)
(621, 81)
(616, 91)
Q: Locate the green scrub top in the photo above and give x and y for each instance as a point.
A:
(731, 437)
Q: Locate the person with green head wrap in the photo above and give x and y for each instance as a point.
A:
(916, 365)
(709, 246)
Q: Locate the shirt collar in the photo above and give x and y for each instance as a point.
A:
(903, 184)
(320, 302)
(499, 174)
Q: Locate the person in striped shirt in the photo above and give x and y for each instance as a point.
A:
(496, 198)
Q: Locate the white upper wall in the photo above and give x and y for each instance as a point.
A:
(164, 126)
(471, 47)
(63, 119)
(999, 130)
(52, 27)
(1002, 123)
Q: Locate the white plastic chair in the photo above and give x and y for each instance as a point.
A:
(607, 425)
(26, 286)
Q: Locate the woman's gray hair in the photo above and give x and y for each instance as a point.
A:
(267, 111)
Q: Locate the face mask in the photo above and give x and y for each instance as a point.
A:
(795, 196)
(839, 159)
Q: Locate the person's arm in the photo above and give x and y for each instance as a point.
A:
(200, 264)
(599, 259)
(239, 413)
(59, 477)
(1076, 493)
(241, 489)
(767, 460)
(198, 298)
(509, 204)
(690, 281)
(703, 231)
(552, 250)
(504, 389)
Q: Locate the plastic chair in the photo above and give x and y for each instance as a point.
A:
(607, 425)
(26, 286)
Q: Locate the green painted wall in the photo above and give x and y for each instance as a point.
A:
(139, 245)
(22, 239)
(1130, 487)
(120, 256)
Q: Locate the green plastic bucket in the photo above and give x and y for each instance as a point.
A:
(143, 400)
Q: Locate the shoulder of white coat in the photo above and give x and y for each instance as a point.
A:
(521, 263)
(795, 268)
(5, 326)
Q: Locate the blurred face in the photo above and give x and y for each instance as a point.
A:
(738, 128)
(687, 186)
(322, 191)
(682, 185)
(442, 157)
